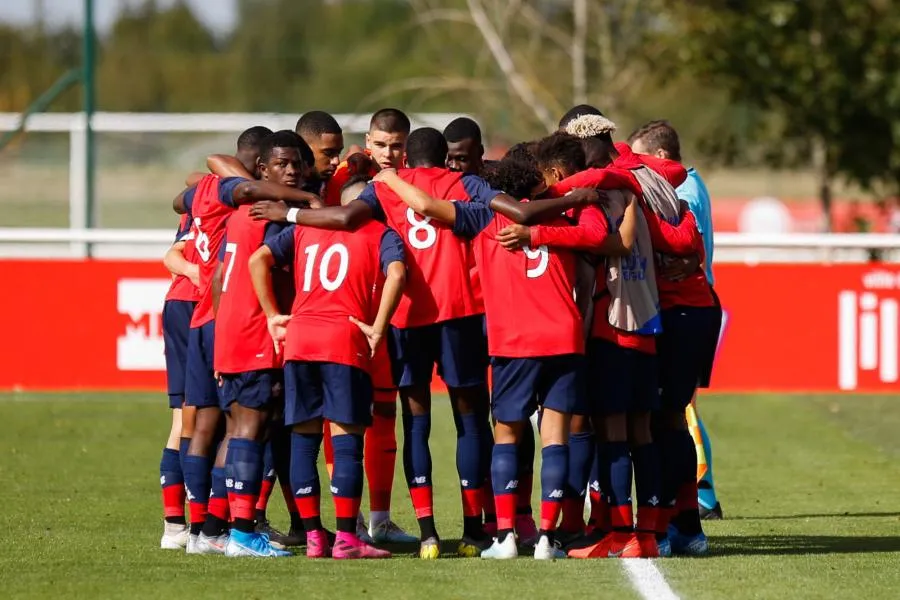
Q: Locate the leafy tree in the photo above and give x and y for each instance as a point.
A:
(825, 71)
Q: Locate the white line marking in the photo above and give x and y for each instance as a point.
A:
(648, 580)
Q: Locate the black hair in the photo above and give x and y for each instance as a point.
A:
(316, 123)
(390, 120)
(462, 128)
(426, 147)
(561, 150)
(659, 135)
(577, 111)
(356, 179)
(251, 138)
(515, 177)
(523, 152)
(285, 139)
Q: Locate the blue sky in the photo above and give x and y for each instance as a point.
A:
(219, 15)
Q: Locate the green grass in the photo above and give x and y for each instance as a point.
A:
(809, 486)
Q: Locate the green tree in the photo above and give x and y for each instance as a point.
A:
(825, 71)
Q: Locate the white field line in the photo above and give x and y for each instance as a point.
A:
(647, 579)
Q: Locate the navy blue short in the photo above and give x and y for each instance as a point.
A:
(251, 389)
(683, 350)
(176, 324)
(458, 347)
(712, 343)
(317, 390)
(620, 380)
(520, 384)
(201, 389)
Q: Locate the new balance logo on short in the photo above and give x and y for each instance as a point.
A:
(555, 494)
(303, 491)
(420, 480)
(512, 484)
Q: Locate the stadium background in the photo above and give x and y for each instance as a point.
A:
(792, 102)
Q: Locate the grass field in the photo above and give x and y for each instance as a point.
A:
(810, 487)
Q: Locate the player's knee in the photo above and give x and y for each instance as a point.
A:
(639, 432)
(508, 432)
(615, 427)
(580, 424)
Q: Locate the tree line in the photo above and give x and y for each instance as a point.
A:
(786, 83)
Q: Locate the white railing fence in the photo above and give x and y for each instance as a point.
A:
(730, 247)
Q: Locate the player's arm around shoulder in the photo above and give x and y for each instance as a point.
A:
(419, 200)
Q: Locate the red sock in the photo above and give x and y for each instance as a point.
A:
(472, 501)
(506, 510)
(600, 513)
(346, 508)
(240, 506)
(327, 448)
(647, 518)
(622, 517)
(265, 490)
(308, 506)
(173, 500)
(664, 517)
(380, 456)
(550, 510)
(572, 515)
(523, 494)
(422, 501)
(198, 512)
(687, 496)
(218, 507)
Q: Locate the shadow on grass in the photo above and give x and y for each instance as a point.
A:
(776, 545)
(813, 516)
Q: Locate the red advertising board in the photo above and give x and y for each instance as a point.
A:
(96, 325)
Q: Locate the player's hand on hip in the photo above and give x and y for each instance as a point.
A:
(277, 325)
(514, 237)
(266, 210)
(372, 336)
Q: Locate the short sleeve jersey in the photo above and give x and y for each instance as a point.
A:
(335, 274)
(209, 204)
(242, 341)
(439, 286)
(528, 295)
(183, 288)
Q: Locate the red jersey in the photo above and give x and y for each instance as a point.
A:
(336, 274)
(182, 288)
(438, 284)
(610, 178)
(670, 170)
(209, 204)
(528, 295)
(242, 341)
(681, 240)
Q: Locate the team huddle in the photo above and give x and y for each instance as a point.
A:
(310, 293)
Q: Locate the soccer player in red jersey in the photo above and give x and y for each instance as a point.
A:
(209, 204)
(335, 275)
(438, 321)
(177, 311)
(542, 361)
(244, 356)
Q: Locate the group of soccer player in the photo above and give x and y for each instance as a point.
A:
(312, 293)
